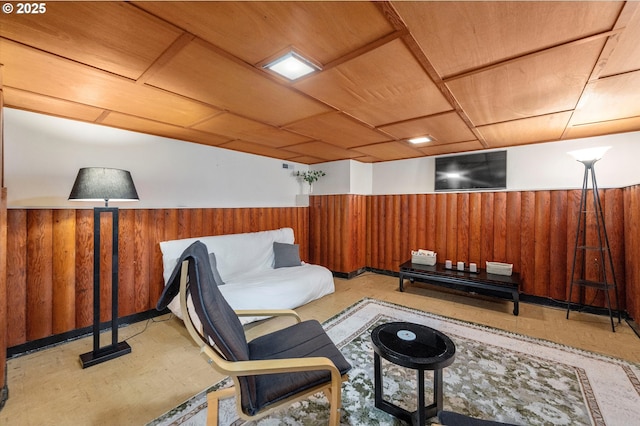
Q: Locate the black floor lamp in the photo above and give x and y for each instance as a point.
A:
(103, 184)
(599, 248)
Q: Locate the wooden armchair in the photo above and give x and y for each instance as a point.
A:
(268, 372)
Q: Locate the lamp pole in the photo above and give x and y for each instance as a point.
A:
(600, 246)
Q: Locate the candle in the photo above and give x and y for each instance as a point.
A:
(447, 264)
(460, 266)
(473, 267)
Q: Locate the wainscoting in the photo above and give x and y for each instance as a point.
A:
(534, 230)
(50, 256)
(338, 229)
(49, 252)
(632, 250)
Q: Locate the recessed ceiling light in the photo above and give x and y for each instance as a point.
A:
(292, 66)
(421, 139)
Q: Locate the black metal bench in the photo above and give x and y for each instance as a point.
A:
(439, 275)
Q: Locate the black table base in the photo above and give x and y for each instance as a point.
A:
(419, 348)
(423, 412)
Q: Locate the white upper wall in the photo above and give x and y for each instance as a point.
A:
(343, 177)
(43, 155)
(542, 166)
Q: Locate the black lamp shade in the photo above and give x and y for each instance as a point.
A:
(99, 183)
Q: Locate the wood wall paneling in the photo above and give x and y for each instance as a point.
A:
(500, 227)
(126, 263)
(40, 273)
(527, 242)
(615, 224)
(533, 230)
(64, 271)
(142, 260)
(3, 282)
(338, 233)
(50, 260)
(16, 277)
(3, 260)
(84, 266)
(558, 248)
(475, 226)
(631, 286)
(512, 219)
(49, 252)
(106, 265)
(541, 232)
(451, 227)
(462, 232)
(573, 206)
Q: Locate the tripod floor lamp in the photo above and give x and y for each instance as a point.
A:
(103, 184)
(594, 250)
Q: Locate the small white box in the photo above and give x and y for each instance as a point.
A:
(423, 259)
(499, 268)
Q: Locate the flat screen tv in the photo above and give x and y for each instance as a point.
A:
(486, 170)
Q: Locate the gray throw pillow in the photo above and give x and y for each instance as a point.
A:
(286, 255)
(214, 269)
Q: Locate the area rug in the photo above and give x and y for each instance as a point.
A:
(496, 375)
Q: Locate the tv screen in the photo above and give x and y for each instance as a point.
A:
(487, 170)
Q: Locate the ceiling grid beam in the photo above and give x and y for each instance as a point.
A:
(394, 18)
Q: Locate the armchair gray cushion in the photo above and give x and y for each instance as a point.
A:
(304, 339)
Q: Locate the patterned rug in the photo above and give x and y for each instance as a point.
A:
(496, 375)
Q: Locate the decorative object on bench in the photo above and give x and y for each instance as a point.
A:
(251, 265)
(499, 268)
(272, 370)
(424, 257)
(103, 184)
(439, 274)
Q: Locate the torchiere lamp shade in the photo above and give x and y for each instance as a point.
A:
(100, 183)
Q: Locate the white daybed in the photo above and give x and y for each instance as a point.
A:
(253, 274)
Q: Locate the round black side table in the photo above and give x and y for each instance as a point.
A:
(417, 347)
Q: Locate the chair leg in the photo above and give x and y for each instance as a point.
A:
(213, 399)
(335, 399)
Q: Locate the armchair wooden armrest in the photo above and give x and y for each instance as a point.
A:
(268, 313)
(271, 366)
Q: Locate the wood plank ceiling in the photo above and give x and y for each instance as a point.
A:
(472, 75)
